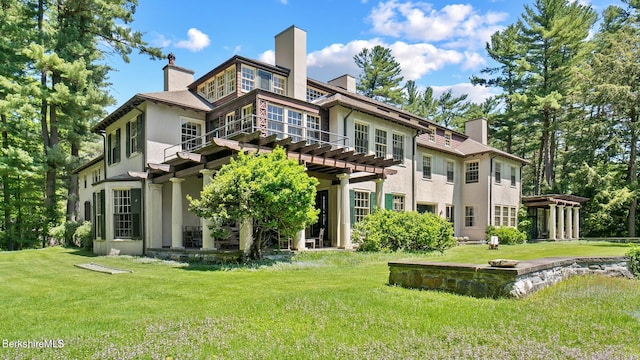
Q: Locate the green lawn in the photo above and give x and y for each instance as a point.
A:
(321, 305)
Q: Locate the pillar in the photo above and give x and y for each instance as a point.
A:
(298, 240)
(344, 240)
(576, 222)
(176, 213)
(154, 234)
(568, 223)
(560, 222)
(246, 235)
(379, 193)
(551, 222)
(207, 240)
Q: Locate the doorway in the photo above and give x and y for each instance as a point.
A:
(322, 204)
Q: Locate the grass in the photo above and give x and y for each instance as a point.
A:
(320, 305)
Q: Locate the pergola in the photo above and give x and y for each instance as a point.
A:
(554, 216)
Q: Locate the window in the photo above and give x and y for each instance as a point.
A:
(469, 216)
(360, 205)
(431, 134)
(230, 123)
(450, 176)
(497, 172)
(381, 143)
(208, 90)
(313, 94)
(294, 125)
(220, 82)
(313, 129)
(99, 206)
(447, 139)
(398, 147)
(191, 135)
(426, 208)
(97, 175)
(426, 167)
(471, 172)
(114, 147)
(220, 85)
(279, 86)
(134, 135)
(247, 118)
(496, 215)
(505, 216)
(513, 176)
(398, 202)
(230, 75)
(513, 217)
(122, 219)
(85, 181)
(264, 80)
(361, 133)
(248, 78)
(449, 213)
(275, 118)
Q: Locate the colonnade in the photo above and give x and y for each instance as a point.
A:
(563, 222)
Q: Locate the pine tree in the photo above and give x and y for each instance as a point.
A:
(380, 78)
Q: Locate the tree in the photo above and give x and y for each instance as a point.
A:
(269, 189)
(450, 110)
(420, 103)
(380, 78)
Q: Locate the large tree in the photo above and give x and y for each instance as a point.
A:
(380, 75)
(272, 191)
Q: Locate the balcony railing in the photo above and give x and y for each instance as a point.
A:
(268, 127)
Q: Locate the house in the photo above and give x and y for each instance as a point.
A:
(160, 147)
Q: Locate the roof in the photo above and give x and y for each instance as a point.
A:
(468, 147)
(558, 199)
(181, 98)
(88, 164)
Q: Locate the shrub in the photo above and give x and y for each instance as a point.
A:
(387, 230)
(634, 261)
(507, 235)
(83, 236)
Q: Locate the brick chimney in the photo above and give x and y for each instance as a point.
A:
(476, 129)
(176, 77)
(291, 53)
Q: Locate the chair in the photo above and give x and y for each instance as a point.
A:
(319, 239)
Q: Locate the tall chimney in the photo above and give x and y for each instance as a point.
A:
(291, 53)
(176, 77)
(476, 129)
(345, 81)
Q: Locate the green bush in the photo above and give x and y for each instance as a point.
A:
(507, 235)
(387, 230)
(83, 236)
(634, 261)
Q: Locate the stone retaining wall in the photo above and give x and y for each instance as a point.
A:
(204, 256)
(494, 282)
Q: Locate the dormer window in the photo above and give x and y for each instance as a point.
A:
(220, 85)
(313, 94)
(262, 79)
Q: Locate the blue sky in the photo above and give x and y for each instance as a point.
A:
(437, 43)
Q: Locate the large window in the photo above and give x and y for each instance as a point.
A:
(361, 205)
(450, 214)
(220, 85)
(248, 78)
(294, 121)
(398, 147)
(275, 117)
(361, 138)
(469, 216)
(381, 143)
(513, 176)
(99, 221)
(505, 216)
(122, 219)
(426, 208)
(497, 215)
(497, 172)
(191, 135)
(426, 167)
(313, 129)
(471, 172)
(113, 141)
(252, 78)
(398, 202)
(450, 173)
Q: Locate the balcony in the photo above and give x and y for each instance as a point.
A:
(267, 127)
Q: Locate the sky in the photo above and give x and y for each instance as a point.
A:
(440, 44)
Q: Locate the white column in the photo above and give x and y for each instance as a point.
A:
(576, 222)
(379, 193)
(246, 235)
(298, 240)
(207, 240)
(154, 233)
(568, 223)
(344, 240)
(561, 222)
(551, 222)
(176, 213)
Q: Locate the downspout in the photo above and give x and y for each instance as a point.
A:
(143, 191)
(344, 123)
(491, 189)
(413, 170)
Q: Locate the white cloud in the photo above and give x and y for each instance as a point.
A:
(160, 41)
(477, 93)
(268, 56)
(196, 42)
(457, 24)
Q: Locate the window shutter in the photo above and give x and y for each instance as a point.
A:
(116, 156)
(128, 139)
(352, 203)
(109, 160)
(372, 202)
(93, 219)
(103, 220)
(140, 135)
(388, 201)
(136, 209)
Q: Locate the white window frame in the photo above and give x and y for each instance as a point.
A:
(514, 179)
(497, 172)
(431, 134)
(447, 139)
(427, 163)
(513, 216)
(313, 94)
(398, 202)
(397, 146)
(295, 125)
(450, 213)
(275, 120)
(380, 143)
(248, 78)
(279, 84)
(469, 216)
(122, 215)
(313, 134)
(230, 77)
(497, 215)
(191, 131)
(361, 134)
(361, 204)
(471, 168)
(453, 171)
(99, 216)
(132, 141)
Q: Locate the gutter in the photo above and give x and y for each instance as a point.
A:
(143, 190)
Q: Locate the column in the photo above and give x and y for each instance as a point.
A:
(379, 193)
(176, 213)
(298, 240)
(576, 222)
(207, 240)
(246, 235)
(344, 240)
(568, 223)
(560, 222)
(551, 222)
(154, 234)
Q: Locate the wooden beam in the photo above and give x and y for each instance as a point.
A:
(309, 148)
(296, 145)
(138, 174)
(198, 158)
(158, 168)
(321, 150)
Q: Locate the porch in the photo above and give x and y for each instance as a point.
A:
(553, 216)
